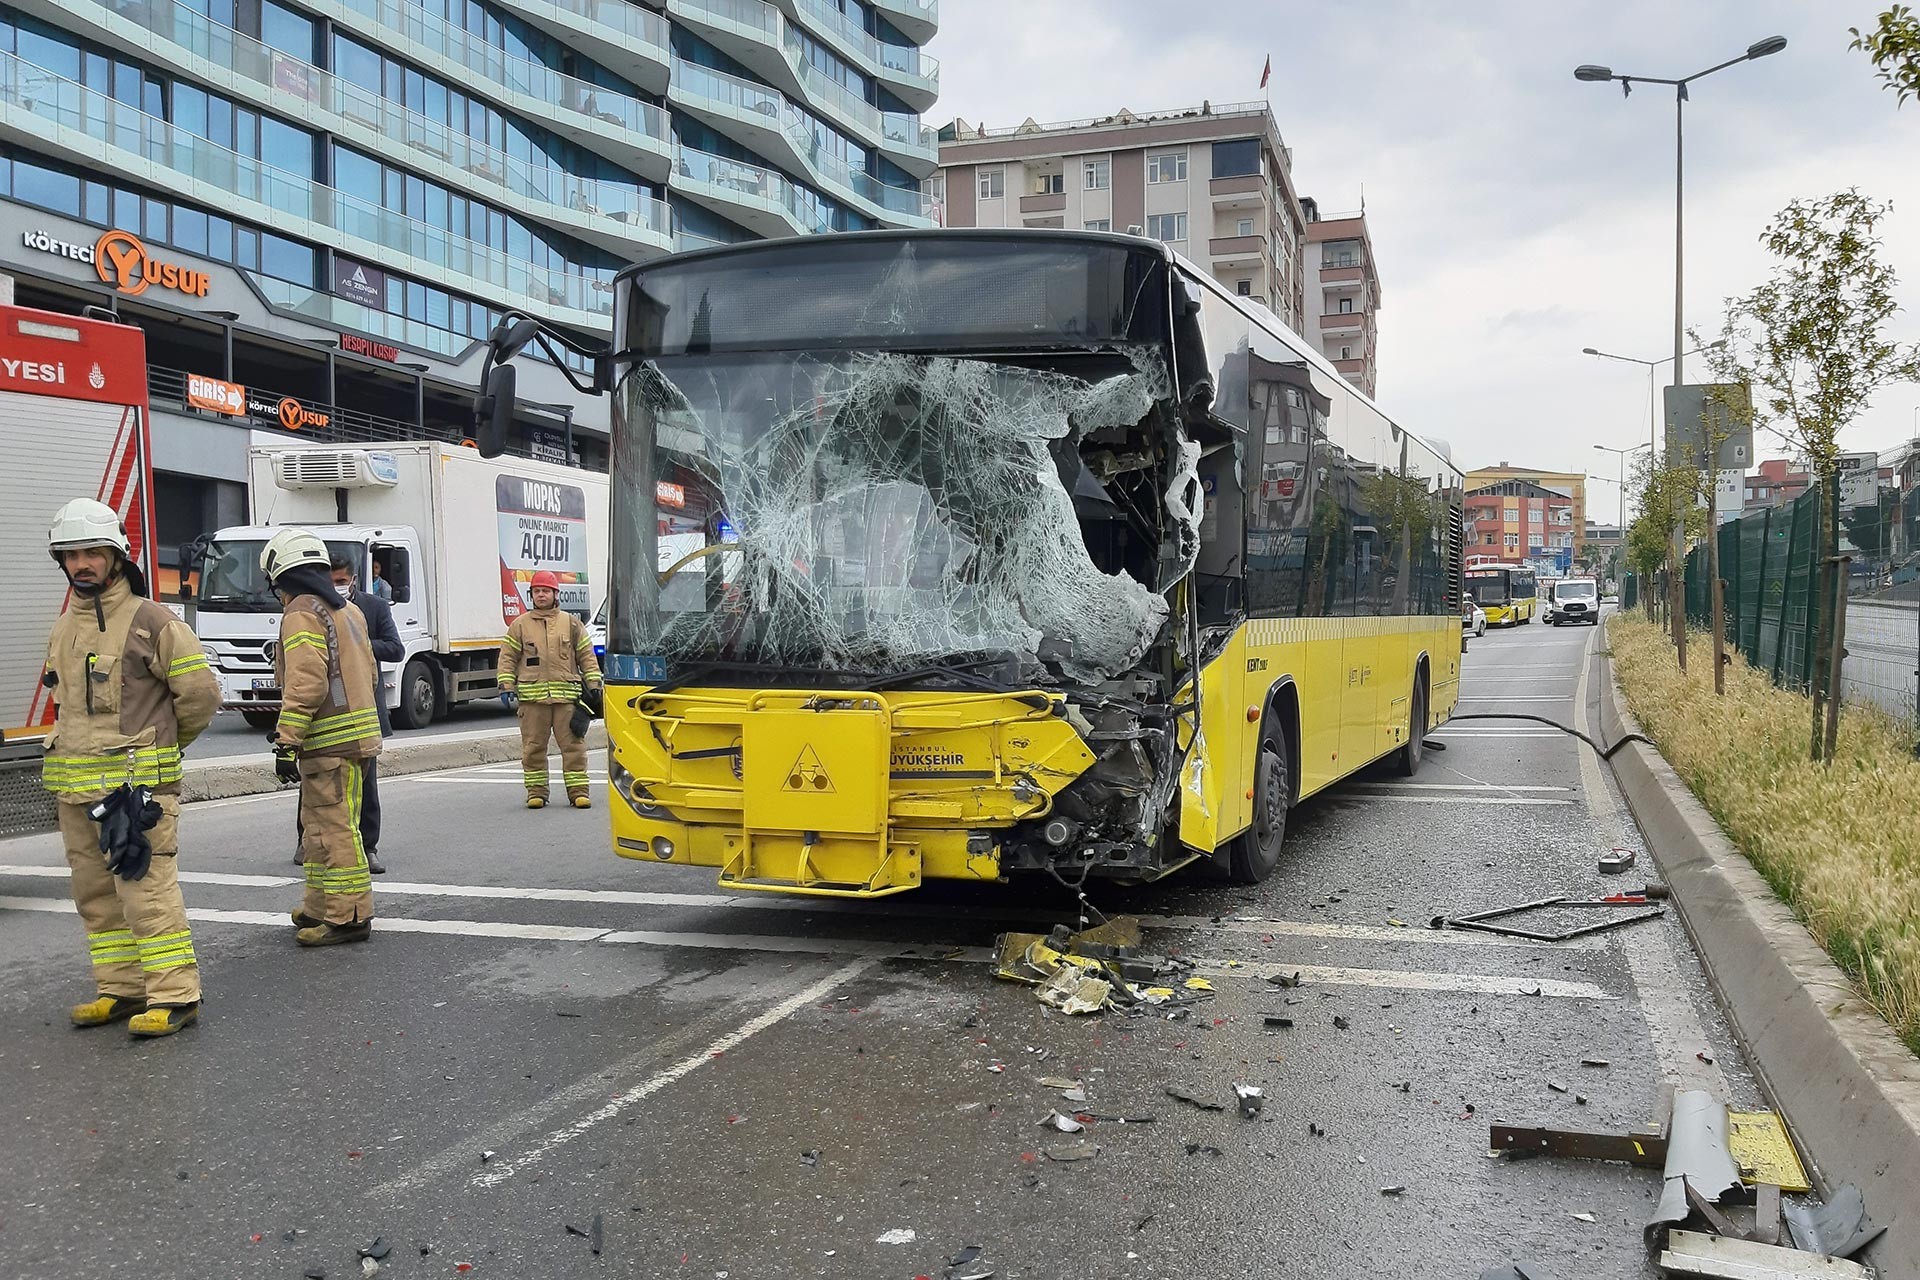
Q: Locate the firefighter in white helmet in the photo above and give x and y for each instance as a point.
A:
(327, 736)
(133, 688)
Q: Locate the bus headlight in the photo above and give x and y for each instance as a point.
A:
(638, 798)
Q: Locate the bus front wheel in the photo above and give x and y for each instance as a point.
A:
(1255, 852)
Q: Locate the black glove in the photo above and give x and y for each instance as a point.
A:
(286, 764)
(581, 720)
(594, 698)
(125, 817)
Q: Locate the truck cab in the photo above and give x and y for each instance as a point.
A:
(238, 616)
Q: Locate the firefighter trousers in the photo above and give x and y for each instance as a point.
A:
(339, 884)
(538, 721)
(136, 929)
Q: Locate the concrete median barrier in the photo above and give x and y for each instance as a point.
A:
(232, 776)
(1847, 1086)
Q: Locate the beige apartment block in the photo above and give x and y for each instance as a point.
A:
(1343, 294)
(1214, 182)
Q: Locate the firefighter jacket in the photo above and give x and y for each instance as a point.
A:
(327, 680)
(546, 654)
(132, 686)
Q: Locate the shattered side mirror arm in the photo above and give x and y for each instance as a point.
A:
(494, 407)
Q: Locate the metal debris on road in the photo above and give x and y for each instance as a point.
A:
(1583, 1217)
(597, 1233)
(1483, 921)
(1187, 1095)
(1612, 864)
(1839, 1228)
(1398, 1189)
(487, 1155)
(1556, 1086)
(1059, 1082)
(377, 1248)
(810, 1158)
(968, 1253)
(898, 1235)
(1277, 1020)
(1692, 1253)
(1515, 1271)
(1698, 1161)
(576, 1231)
(1764, 1152)
(1196, 1148)
(1340, 1022)
(1595, 1062)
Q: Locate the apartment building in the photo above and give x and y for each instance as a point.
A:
(1514, 520)
(1571, 485)
(358, 189)
(1343, 287)
(1215, 182)
(1774, 483)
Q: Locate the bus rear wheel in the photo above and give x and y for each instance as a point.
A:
(1406, 761)
(1255, 852)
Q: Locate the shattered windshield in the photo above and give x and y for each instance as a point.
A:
(878, 512)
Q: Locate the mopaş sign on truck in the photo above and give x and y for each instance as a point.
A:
(543, 525)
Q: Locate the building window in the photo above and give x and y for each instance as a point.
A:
(1243, 227)
(1168, 166)
(1099, 224)
(1486, 539)
(993, 184)
(1244, 288)
(1512, 541)
(1099, 174)
(1170, 227)
(1049, 184)
(1236, 159)
(1346, 306)
(1346, 353)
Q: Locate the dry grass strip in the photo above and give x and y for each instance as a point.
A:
(1839, 843)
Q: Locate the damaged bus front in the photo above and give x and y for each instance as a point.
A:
(908, 573)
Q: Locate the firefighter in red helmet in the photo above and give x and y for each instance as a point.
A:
(546, 668)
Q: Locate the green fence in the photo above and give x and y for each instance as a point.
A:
(1768, 561)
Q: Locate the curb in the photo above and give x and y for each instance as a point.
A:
(1846, 1085)
(252, 775)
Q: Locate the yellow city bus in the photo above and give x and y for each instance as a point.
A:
(964, 554)
(1509, 596)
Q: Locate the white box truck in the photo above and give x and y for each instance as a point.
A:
(456, 536)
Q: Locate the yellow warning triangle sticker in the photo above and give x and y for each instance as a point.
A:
(808, 774)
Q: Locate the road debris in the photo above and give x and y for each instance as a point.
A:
(1483, 921)
(1195, 1149)
(1612, 864)
(1698, 1161)
(1556, 1086)
(1693, 1253)
(1397, 1189)
(597, 1233)
(1252, 1098)
(1764, 1152)
(1838, 1228)
(487, 1155)
(1063, 1123)
(1058, 1082)
(968, 1253)
(1340, 1022)
(1515, 1271)
(1583, 1217)
(1288, 981)
(898, 1235)
(1187, 1095)
(369, 1268)
(576, 1231)
(810, 1158)
(1088, 971)
(1595, 1062)
(376, 1248)
(1277, 1020)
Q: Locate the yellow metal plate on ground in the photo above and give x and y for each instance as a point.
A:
(1759, 1144)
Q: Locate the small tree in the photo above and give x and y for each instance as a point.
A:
(1810, 342)
(1664, 492)
(1894, 47)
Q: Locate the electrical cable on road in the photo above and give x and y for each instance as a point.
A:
(1606, 753)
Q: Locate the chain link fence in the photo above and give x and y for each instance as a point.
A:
(1770, 563)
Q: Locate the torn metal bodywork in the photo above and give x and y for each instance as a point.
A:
(1698, 1159)
(1839, 1227)
(1692, 1253)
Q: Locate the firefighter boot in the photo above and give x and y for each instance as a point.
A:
(536, 802)
(163, 1020)
(334, 935)
(107, 1009)
(582, 802)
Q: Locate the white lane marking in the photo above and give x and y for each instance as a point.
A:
(1519, 801)
(500, 1171)
(1475, 983)
(1475, 785)
(192, 877)
(64, 906)
(1474, 697)
(1366, 933)
(1475, 668)
(1672, 1022)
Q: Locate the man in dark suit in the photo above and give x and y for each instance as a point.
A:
(385, 638)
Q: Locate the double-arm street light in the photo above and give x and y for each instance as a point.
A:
(1624, 454)
(1653, 412)
(1589, 72)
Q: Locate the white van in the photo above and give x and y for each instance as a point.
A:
(1574, 600)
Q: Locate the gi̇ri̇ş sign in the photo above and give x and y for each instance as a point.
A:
(542, 526)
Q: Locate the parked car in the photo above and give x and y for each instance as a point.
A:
(1574, 600)
(1473, 619)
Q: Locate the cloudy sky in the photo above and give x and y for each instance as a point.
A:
(1518, 214)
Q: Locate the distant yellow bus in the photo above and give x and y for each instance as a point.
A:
(975, 554)
(1509, 597)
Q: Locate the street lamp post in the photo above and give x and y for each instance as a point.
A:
(1591, 73)
(1607, 448)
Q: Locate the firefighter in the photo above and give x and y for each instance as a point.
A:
(133, 688)
(327, 737)
(545, 660)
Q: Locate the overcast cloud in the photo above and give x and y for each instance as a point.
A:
(1518, 214)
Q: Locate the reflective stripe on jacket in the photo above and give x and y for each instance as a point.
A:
(546, 655)
(133, 687)
(327, 705)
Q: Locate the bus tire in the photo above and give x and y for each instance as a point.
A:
(418, 697)
(1406, 761)
(1255, 852)
(260, 719)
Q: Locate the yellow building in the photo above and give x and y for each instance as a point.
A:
(1569, 483)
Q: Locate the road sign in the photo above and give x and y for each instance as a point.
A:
(1859, 479)
(1699, 411)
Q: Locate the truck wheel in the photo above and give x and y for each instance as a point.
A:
(1255, 852)
(1406, 761)
(417, 696)
(260, 719)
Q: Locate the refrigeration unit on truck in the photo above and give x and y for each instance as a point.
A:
(456, 537)
(73, 424)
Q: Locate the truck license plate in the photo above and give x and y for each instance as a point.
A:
(265, 684)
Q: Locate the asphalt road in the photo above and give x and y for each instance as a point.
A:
(230, 735)
(541, 1035)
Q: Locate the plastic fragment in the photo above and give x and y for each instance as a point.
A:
(1276, 1020)
(315, 1273)
(967, 1254)
(1396, 1190)
(369, 1267)
(376, 1248)
(1184, 1094)
(1285, 980)
(1063, 1123)
(898, 1235)
(576, 1231)
(1705, 1057)
(1556, 1086)
(1340, 1022)
(1197, 984)
(1195, 1148)
(597, 1234)
(1580, 1098)
(1252, 1097)
(1595, 1062)
(1584, 1217)
(1059, 1082)
(487, 1155)
(811, 1159)
(1075, 1094)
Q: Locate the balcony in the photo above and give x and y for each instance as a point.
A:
(623, 37)
(1342, 320)
(1237, 247)
(918, 20)
(1334, 274)
(606, 213)
(1053, 202)
(760, 200)
(626, 130)
(911, 74)
(86, 128)
(771, 125)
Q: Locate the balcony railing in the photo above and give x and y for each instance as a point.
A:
(905, 60)
(522, 75)
(228, 177)
(752, 183)
(637, 25)
(289, 80)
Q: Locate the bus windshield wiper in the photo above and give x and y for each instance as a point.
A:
(708, 666)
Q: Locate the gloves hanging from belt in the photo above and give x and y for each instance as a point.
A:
(125, 816)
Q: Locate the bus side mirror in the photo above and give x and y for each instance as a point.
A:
(493, 411)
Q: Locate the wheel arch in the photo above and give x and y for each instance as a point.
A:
(1281, 717)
